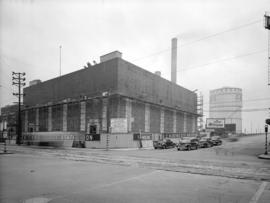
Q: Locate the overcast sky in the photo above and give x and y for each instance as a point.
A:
(31, 32)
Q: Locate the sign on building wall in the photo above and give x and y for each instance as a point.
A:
(92, 137)
(119, 125)
(215, 123)
(142, 136)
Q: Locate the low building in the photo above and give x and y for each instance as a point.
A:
(113, 97)
(8, 121)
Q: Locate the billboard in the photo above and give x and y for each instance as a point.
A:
(119, 125)
(215, 123)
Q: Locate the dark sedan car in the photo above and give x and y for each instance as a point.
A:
(205, 142)
(188, 143)
(216, 140)
(164, 144)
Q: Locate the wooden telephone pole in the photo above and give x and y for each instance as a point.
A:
(18, 80)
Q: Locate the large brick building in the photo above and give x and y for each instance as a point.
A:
(114, 97)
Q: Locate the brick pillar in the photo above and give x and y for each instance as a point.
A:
(128, 113)
(37, 119)
(65, 117)
(26, 121)
(174, 121)
(161, 120)
(104, 114)
(83, 113)
(147, 118)
(49, 118)
(185, 122)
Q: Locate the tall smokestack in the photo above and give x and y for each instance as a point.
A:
(174, 60)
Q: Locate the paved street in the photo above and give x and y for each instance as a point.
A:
(228, 173)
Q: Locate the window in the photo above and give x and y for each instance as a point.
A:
(93, 129)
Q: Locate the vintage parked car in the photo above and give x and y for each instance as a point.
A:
(163, 144)
(216, 140)
(188, 143)
(205, 142)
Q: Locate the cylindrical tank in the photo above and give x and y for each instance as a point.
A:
(226, 103)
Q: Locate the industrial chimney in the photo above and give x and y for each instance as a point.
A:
(174, 60)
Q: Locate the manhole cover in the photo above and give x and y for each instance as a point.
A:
(37, 200)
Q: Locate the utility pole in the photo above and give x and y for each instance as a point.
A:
(266, 130)
(18, 80)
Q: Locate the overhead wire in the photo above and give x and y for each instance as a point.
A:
(240, 110)
(222, 32)
(222, 60)
(201, 39)
(247, 100)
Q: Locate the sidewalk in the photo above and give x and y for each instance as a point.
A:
(264, 156)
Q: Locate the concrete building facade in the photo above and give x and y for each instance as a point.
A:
(114, 98)
(226, 103)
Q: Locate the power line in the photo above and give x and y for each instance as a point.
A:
(222, 32)
(222, 60)
(247, 100)
(240, 110)
(3, 61)
(8, 88)
(201, 39)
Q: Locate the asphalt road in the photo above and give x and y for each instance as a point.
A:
(234, 174)
(24, 177)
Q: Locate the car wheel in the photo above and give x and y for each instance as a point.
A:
(188, 148)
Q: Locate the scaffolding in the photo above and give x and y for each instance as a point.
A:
(200, 112)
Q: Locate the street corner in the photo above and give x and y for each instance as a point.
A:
(264, 156)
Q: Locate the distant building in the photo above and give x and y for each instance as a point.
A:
(114, 97)
(8, 120)
(226, 103)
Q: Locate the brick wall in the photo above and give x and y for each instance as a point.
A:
(154, 119)
(73, 117)
(43, 119)
(138, 114)
(84, 82)
(138, 83)
(179, 122)
(57, 117)
(117, 107)
(143, 116)
(32, 118)
(94, 111)
(168, 121)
